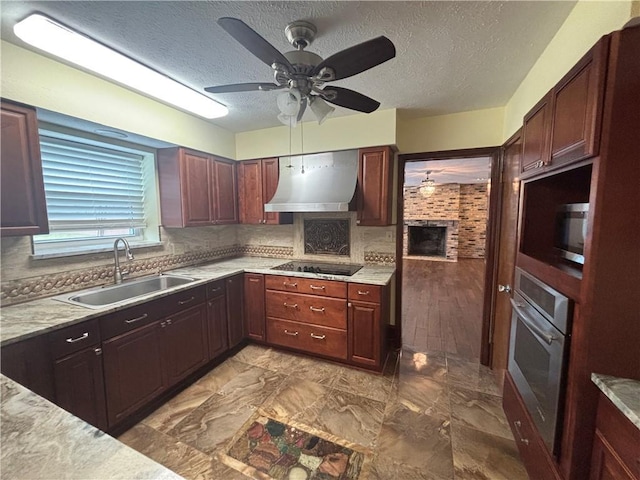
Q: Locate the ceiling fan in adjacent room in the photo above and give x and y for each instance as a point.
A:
(303, 74)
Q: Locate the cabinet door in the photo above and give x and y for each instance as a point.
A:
(374, 191)
(195, 180)
(535, 137)
(133, 370)
(185, 343)
(235, 318)
(223, 194)
(364, 333)
(605, 464)
(24, 208)
(270, 176)
(250, 189)
(29, 363)
(80, 386)
(217, 319)
(254, 306)
(577, 108)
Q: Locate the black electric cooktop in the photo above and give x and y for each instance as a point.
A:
(346, 269)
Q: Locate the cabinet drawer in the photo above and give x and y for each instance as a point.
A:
(330, 312)
(130, 319)
(365, 293)
(327, 288)
(74, 338)
(182, 300)
(215, 289)
(309, 338)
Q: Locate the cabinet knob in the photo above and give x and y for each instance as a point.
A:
(504, 288)
(98, 351)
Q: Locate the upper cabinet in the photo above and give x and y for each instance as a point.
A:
(257, 183)
(24, 208)
(374, 192)
(564, 127)
(196, 189)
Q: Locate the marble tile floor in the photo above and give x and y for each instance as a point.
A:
(431, 416)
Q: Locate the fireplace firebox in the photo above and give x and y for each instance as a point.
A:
(428, 241)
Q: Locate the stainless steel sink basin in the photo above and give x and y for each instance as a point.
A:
(114, 294)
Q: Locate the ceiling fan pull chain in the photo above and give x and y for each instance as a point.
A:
(302, 144)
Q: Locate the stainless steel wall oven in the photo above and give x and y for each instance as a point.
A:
(538, 352)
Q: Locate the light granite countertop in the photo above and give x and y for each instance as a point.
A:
(42, 441)
(623, 392)
(25, 320)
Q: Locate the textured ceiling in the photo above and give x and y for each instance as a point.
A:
(451, 56)
(461, 170)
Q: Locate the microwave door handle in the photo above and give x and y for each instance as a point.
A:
(530, 324)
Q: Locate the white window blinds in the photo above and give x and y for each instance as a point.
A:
(91, 187)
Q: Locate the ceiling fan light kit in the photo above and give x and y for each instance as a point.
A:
(306, 72)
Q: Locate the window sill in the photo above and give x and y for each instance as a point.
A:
(75, 251)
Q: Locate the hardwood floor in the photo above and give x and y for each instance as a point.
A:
(442, 306)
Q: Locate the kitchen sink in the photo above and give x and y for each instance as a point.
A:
(114, 294)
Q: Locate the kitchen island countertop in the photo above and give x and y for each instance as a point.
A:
(42, 441)
(624, 393)
(29, 319)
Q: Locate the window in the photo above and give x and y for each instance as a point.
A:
(96, 191)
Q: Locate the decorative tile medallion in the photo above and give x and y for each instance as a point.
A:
(326, 236)
(285, 452)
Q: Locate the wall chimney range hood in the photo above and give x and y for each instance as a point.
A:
(320, 182)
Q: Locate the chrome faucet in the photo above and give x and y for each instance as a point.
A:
(117, 273)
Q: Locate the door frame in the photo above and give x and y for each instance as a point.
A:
(491, 242)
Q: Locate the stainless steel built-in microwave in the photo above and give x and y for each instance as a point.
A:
(571, 231)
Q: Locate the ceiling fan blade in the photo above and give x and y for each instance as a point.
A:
(350, 99)
(252, 41)
(242, 87)
(303, 107)
(358, 58)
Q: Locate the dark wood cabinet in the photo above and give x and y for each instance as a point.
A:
(23, 203)
(374, 192)
(366, 325)
(615, 445)
(79, 383)
(217, 318)
(254, 306)
(257, 183)
(535, 137)
(235, 316)
(134, 370)
(564, 127)
(185, 343)
(196, 189)
(28, 362)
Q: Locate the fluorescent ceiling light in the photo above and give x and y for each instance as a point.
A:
(50, 36)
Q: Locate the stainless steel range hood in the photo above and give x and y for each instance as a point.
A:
(321, 182)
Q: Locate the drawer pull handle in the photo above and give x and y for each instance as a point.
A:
(319, 337)
(254, 280)
(295, 305)
(314, 309)
(286, 284)
(360, 292)
(184, 302)
(518, 424)
(313, 287)
(217, 289)
(79, 339)
(293, 334)
(137, 319)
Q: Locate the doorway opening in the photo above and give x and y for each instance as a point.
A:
(445, 223)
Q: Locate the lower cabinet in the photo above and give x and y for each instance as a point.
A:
(235, 316)
(366, 328)
(254, 307)
(133, 370)
(615, 445)
(217, 319)
(79, 384)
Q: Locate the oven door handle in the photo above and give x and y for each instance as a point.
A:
(530, 324)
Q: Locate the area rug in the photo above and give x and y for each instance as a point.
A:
(266, 448)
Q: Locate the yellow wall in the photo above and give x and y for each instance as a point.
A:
(478, 128)
(587, 22)
(39, 81)
(340, 133)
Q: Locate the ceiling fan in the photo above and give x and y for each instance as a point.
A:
(304, 73)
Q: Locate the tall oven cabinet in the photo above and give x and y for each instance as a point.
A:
(600, 167)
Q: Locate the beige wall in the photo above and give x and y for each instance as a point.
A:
(586, 23)
(341, 133)
(478, 128)
(39, 81)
